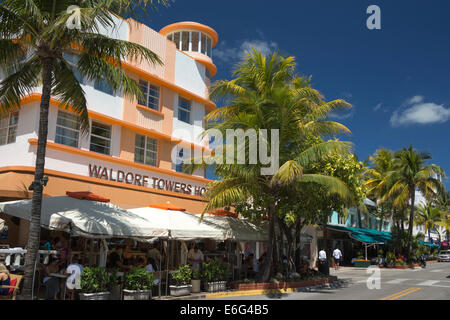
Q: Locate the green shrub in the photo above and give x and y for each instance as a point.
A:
(182, 275)
(138, 279)
(196, 274)
(390, 258)
(95, 279)
(215, 271)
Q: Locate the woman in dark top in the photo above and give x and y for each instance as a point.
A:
(5, 280)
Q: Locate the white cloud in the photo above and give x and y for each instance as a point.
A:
(420, 112)
(414, 100)
(377, 107)
(335, 115)
(230, 54)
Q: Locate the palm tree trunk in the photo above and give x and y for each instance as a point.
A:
(36, 204)
(411, 219)
(269, 258)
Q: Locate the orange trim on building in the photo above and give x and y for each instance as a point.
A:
(103, 157)
(159, 81)
(72, 176)
(150, 110)
(101, 117)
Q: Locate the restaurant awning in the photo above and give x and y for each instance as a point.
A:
(180, 224)
(2, 224)
(363, 234)
(429, 244)
(239, 229)
(86, 218)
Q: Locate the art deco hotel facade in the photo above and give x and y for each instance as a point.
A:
(126, 155)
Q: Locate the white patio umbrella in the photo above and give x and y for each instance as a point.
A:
(238, 229)
(181, 225)
(86, 218)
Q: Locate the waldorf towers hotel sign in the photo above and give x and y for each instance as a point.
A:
(137, 179)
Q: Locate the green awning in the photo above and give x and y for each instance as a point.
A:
(429, 244)
(364, 235)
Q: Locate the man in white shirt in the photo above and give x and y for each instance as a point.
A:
(195, 258)
(322, 256)
(337, 255)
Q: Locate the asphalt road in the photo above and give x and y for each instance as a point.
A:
(431, 283)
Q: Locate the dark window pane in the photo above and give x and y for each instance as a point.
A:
(185, 41)
(195, 40)
(203, 43)
(176, 39)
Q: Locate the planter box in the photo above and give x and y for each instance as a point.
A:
(178, 291)
(215, 286)
(137, 294)
(407, 266)
(95, 296)
(282, 285)
(362, 263)
(196, 284)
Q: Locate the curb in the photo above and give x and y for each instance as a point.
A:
(335, 284)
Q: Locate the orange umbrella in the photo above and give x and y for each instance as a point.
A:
(87, 195)
(166, 206)
(224, 213)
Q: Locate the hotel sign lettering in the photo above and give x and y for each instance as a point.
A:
(143, 180)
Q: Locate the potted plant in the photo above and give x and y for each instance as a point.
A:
(390, 259)
(214, 275)
(115, 284)
(196, 281)
(182, 279)
(95, 284)
(138, 285)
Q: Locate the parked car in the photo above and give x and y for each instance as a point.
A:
(444, 255)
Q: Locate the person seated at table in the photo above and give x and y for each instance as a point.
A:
(141, 262)
(154, 252)
(5, 279)
(64, 254)
(115, 259)
(52, 283)
(127, 256)
(152, 267)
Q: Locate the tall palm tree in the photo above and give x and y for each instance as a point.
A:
(428, 216)
(34, 39)
(410, 173)
(267, 94)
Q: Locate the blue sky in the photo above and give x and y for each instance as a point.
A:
(396, 78)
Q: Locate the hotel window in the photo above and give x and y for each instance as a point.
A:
(103, 86)
(184, 110)
(341, 219)
(204, 44)
(185, 41)
(208, 47)
(72, 59)
(176, 39)
(151, 95)
(100, 138)
(179, 164)
(195, 39)
(146, 150)
(67, 129)
(8, 128)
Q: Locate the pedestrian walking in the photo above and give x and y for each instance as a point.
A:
(337, 255)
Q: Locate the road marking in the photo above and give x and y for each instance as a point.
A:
(439, 270)
(400, 294)
(428, 283)
(397, 281)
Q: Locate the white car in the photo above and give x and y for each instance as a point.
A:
(444, 255)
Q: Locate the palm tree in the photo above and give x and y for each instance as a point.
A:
(428, 216)
(34, 41)
(409, 173)
(266, 94)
